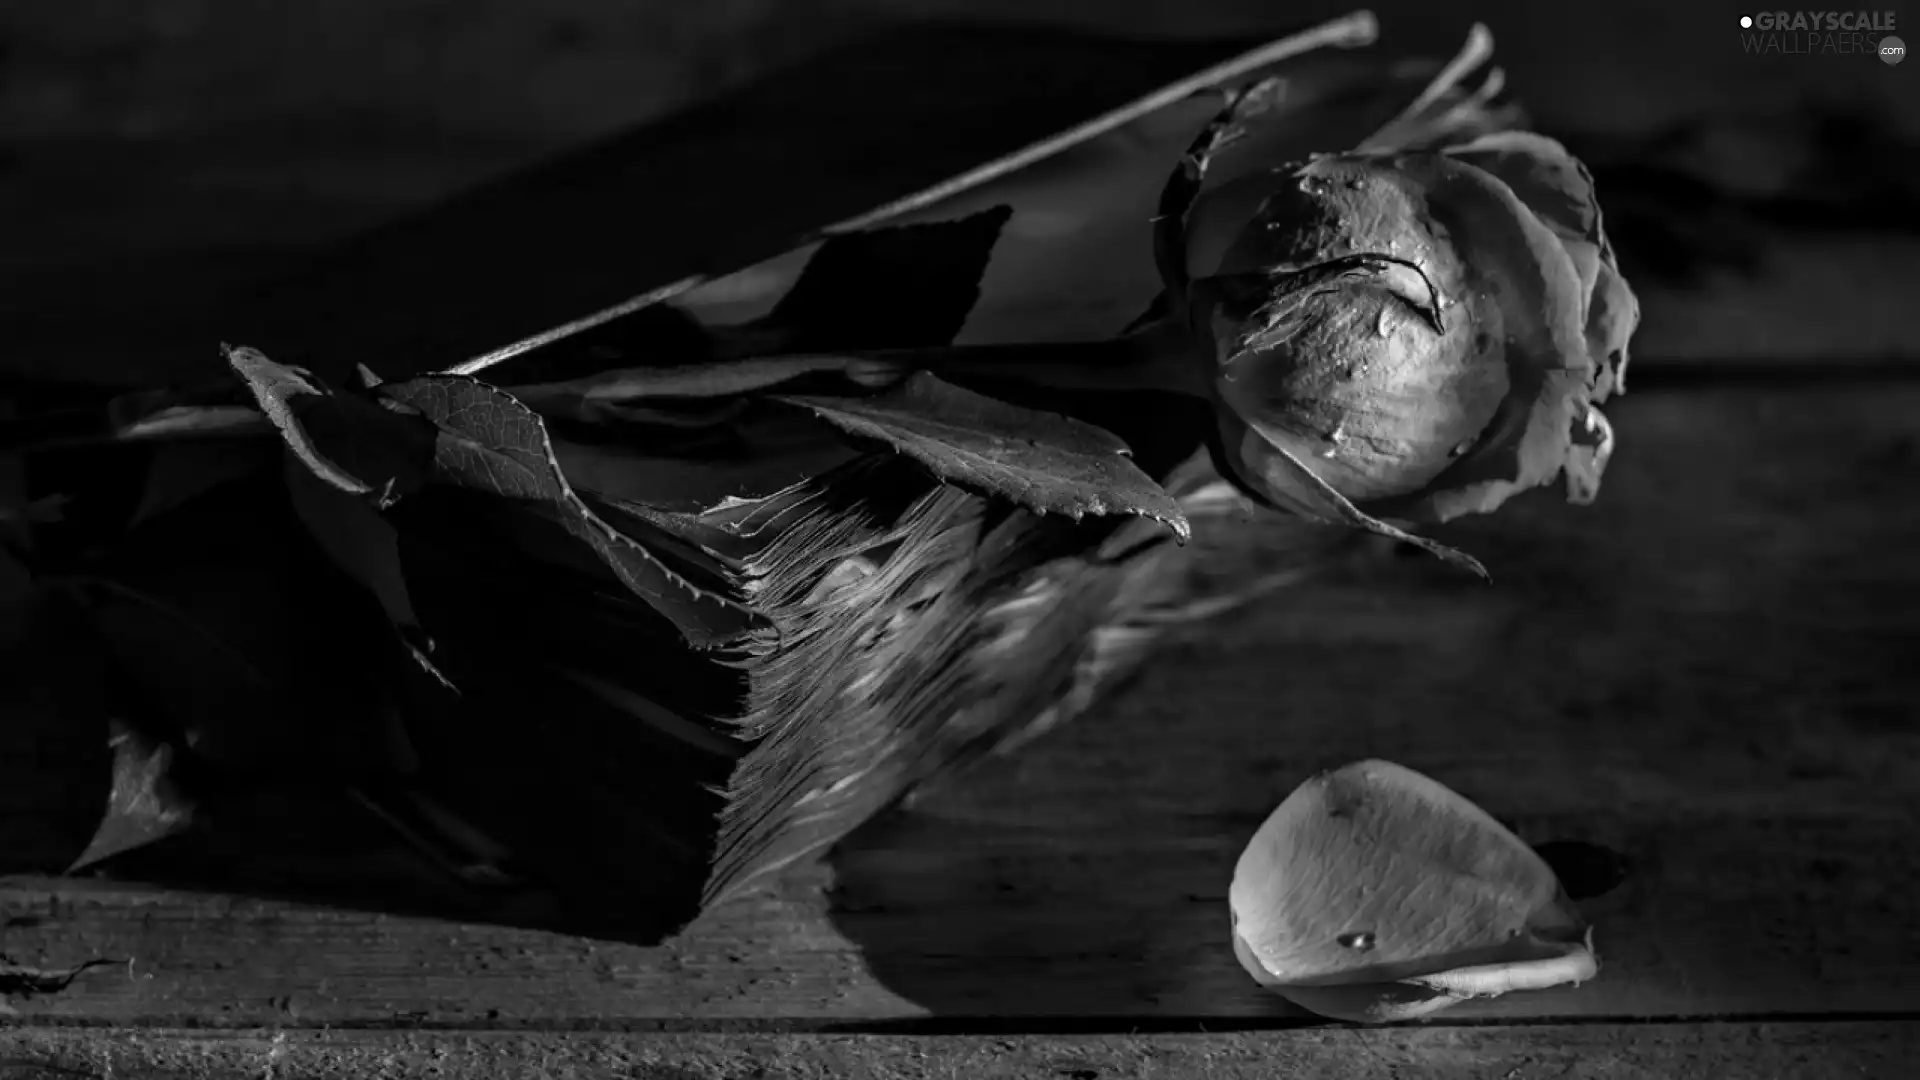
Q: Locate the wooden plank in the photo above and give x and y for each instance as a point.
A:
(1724, 1051)
(1703, 672)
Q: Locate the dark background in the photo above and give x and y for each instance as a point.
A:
(154, 153)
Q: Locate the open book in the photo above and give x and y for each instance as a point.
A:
(743, 561)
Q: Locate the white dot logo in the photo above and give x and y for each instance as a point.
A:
(1746, 22)
(1892, 50)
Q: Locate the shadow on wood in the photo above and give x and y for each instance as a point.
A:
(1701, 673)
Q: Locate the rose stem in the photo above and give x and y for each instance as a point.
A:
(1350, 31)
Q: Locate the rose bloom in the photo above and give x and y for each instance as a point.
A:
(1426, 333)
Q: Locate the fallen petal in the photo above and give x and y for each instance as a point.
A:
(1374, 893)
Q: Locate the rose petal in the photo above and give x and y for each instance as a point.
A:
(1588, 267)
(1275, 124)
(1591, 446)
(1510, 253)
(1341, 205)
(1361, 1003)
(1273, 475)
(1548, 179)
(1523, 267)
(1528, 445)
(1370, 1003)
(1613, 313)
(1376, 873)
(1558, 188)
(1352, 368)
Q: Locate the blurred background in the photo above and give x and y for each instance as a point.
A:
(154, 151)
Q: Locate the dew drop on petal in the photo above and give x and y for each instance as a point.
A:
(1385, 326)
(1360, 940)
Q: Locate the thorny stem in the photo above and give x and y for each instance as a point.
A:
(1348, 32)
(578, 326)
(1158, 358)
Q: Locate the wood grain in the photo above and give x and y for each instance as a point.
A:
(1726, 1051)
(1708, 672)
(1730, 1052)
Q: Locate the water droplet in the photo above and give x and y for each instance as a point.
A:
(1384, 327)
(1361, 940)
(1461, 450)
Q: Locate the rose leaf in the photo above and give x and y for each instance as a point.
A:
(889, 287)
(144, 804)
(490, 442)
(1045, 462)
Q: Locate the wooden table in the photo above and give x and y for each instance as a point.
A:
(1709, 673)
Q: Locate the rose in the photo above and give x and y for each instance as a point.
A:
(1414, 335)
